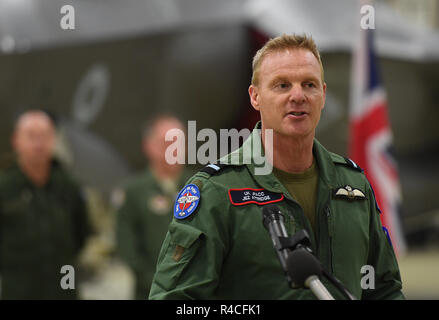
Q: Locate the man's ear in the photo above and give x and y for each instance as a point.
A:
(254, 97)
(324, 94)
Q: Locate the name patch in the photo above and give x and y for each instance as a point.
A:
(240, 197)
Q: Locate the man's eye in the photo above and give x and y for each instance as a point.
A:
(310, 85)
(283, 85)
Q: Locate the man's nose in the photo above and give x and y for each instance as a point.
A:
(297, 95)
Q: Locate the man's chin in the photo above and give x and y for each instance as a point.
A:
(296, 133)
(39, 161)
(292, 131)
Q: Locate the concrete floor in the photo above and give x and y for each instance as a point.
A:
(420, 274)
(114, 282)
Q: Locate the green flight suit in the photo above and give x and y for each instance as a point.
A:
(142, 222)
(41, 230)
(223, 251)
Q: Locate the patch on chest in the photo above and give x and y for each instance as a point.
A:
(349, 193)
(240, 197)
(159, 205)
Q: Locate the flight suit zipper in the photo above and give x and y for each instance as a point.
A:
(328, 217)
(300, 221)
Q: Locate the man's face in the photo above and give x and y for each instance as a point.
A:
(290, 94)
(34, 138)
(154, 146)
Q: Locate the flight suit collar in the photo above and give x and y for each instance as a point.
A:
(25, 180)
(251, 154)
(326, 164)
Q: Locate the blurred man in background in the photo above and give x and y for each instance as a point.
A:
(43, 218)
(146, 204)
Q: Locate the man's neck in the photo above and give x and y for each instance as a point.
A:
(37, 172)
(290, 154)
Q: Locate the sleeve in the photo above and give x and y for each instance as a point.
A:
(382, 258)
(190, 260)
(127, 234)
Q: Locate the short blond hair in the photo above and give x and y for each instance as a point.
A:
(284, 42)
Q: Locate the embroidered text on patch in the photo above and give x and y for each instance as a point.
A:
(239, 197)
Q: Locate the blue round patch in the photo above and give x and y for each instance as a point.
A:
(187, 201)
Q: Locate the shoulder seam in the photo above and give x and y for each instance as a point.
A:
(352, 164)
(338, 159)
(213, 168)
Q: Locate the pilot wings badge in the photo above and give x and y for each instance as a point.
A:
(349, 193)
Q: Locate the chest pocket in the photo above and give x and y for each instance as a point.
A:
(158, 204)
(180, 246)
(348, 223)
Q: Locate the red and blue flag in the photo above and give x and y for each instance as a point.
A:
(371, 140)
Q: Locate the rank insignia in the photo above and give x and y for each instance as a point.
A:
(187, 201)
(349, 193)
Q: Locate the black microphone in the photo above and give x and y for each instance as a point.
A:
(273, 221)
(301, 268)
(305, 271)
(301, 265)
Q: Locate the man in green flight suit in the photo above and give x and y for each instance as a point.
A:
(217, 246)
(43, 218)
(146, 211)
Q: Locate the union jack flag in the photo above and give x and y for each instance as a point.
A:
(370, 144)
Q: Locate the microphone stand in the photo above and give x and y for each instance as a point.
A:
(299, 250)
(318, 288)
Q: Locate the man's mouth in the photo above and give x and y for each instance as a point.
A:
(297, 113)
